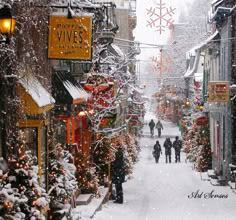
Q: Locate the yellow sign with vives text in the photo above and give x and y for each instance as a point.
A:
(70, 38)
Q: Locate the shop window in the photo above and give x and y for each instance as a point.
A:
(60, 131)
(31, 140)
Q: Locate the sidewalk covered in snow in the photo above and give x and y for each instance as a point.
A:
(168, 191)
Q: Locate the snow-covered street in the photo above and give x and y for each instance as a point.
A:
(168, 191)
(118, 110)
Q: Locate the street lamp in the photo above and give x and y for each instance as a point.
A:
(7, 26)
(7, 23)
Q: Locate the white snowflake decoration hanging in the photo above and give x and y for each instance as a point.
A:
(164, 66)
(160, 17)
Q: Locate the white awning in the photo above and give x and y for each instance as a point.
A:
(210, 39)
(216, 1)
(76, 92)
(193, 51)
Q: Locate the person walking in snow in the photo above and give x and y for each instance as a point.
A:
(118, 174)
(151, 126)
(159, 127)
(157, 151)
(177, 145)
(168, 145)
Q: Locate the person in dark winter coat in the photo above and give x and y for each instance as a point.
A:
(159, 127)
(168, 145)
(157, 151)
(177, 145)
(118, 174)
(151, 126)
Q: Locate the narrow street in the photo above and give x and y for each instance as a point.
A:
(83, 83)
(160, 191)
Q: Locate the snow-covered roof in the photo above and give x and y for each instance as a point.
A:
(38, 93)
(222, 11)
(212, 11)
(193, 51)
(210, 38)
(232, 9)
(216, 1)
(190, 70)
(74, 88)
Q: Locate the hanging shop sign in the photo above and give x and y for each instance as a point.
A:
(70, 38)
(218, 91)
(201, 121)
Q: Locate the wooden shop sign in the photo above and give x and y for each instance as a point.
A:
(218, 91)
(70, 38)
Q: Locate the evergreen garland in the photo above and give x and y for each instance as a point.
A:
(205, 153)
(85, 173)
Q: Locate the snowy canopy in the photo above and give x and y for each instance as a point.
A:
(76, 92)
(38, 93)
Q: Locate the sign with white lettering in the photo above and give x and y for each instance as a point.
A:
(218, 91)
(70, 38)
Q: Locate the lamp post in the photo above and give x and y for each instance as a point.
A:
(7, 27)
(7, 23)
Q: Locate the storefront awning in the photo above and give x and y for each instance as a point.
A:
(211, 39)
(35, 99)
(66, 90)
(196, 67)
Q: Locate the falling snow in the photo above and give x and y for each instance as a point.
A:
(162, 66)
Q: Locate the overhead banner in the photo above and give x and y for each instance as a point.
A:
(218, 91)
(70, 38)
